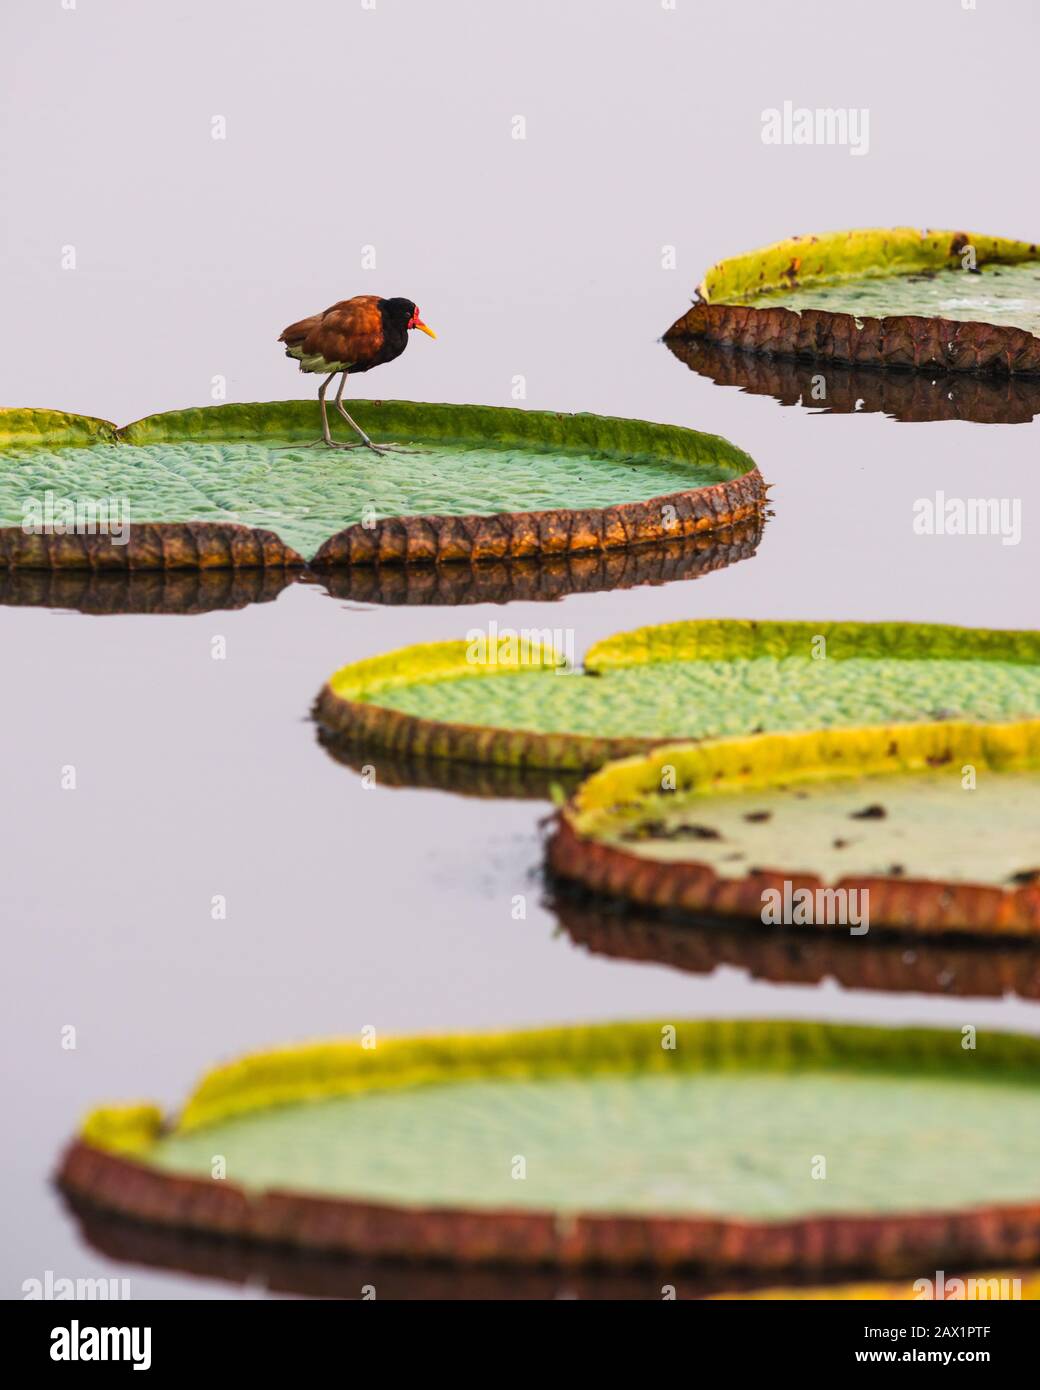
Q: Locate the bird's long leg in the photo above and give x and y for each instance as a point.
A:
(326, 433)
(376, 448)
(351, 422)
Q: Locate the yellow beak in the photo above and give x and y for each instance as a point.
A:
(424, 328)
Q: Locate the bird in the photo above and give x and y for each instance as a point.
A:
(352, 336)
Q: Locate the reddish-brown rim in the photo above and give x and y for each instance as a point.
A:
(283, 1269)
(544, 578)
(437, 540)
(406, 736)
(158, 545)
(895, 1244)
(582, 849)
(896, 904)
(900, 341)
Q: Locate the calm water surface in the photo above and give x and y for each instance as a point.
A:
(392, 907)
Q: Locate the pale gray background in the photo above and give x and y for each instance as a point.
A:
(391, 127)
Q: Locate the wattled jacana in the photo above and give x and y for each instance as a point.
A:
(352, 336)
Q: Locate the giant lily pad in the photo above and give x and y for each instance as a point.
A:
(930, 827)
(674, 1145)
(238, 486)
(508, 701)
(912, 397)
(896, 297)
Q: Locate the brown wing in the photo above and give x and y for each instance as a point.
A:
(296, 332)
(350, 331)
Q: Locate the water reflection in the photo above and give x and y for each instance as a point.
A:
(539, 579)
(908, 396)
(888, 961)
(142, 591)
(545, 578)
(498, 781)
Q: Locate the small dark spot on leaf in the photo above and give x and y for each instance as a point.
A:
(645, 830)
(896, 870)
(840, 844)
(695, 832)
(756, 816)
(1026, 876)
(869, 813)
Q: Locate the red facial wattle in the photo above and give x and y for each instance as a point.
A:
(416, 322)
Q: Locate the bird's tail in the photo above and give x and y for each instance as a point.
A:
(294, 335)
(294, 338)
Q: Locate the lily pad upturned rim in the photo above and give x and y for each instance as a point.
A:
(903, 341)
(314, 1274)
(766, 760)
(431, 539)
(286, 1269)
(885, 1292)
(107, 1165)
(345, 705)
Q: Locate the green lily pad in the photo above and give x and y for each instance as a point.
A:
(923, 826)
(1008, 295)
(239, 485)
(507, 701)
(897, 297)
(617, 1144)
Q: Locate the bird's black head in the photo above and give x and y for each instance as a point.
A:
(402, 313)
